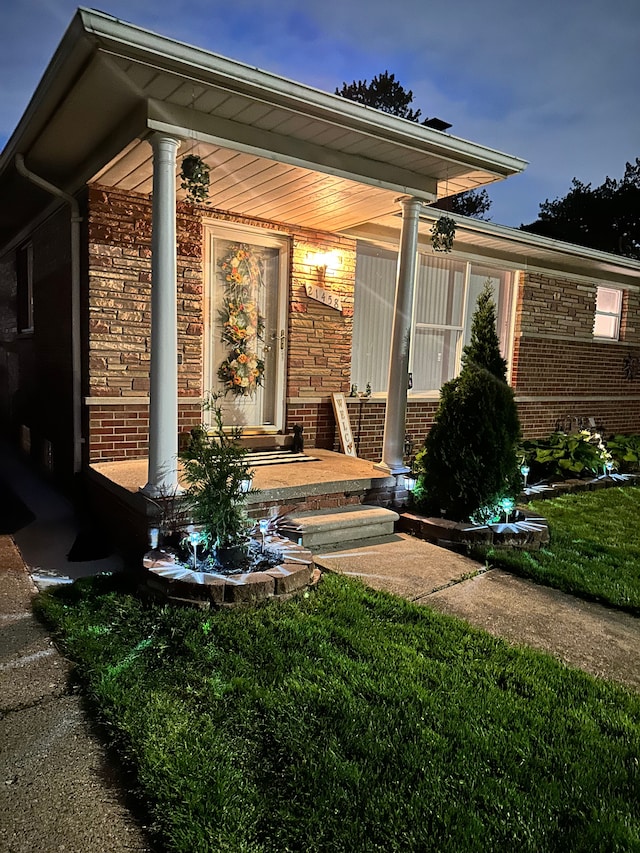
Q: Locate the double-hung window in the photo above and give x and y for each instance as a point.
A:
(445, 294)
(606, 323)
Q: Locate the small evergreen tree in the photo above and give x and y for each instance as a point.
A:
(469, 460)
(483, 348)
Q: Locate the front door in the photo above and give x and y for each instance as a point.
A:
(247, 334)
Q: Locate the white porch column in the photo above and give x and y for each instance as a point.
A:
(396, 411)
(163, 392)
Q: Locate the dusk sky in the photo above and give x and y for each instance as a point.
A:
(556, 82)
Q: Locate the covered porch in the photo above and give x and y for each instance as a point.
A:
(327, 481)
(304, 167)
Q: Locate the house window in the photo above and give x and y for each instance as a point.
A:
(24, 281)
(606, 323)
(445, 296)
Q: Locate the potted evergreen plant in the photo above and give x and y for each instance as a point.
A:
(218, 480)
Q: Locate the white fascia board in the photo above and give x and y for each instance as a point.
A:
(134, 42)
(527, 238)
(181, 122)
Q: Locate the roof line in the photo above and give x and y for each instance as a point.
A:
(528, 238)
(106, 28)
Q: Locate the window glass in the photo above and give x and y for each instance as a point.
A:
(445, 296)
(373, 316)
(606, 322)
(501, 283)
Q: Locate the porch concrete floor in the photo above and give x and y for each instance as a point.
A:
(329, 472)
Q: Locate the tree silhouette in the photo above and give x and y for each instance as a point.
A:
(387, 94)
(606, 217)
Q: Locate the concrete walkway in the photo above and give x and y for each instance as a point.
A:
(596, 639)
(57, 789)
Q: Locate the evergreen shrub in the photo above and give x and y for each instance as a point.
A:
(469, 461)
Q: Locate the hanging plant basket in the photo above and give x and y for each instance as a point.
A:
(442, 234)
(195, 179)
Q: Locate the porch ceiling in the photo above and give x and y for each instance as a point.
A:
(255, 186)
(278, 149)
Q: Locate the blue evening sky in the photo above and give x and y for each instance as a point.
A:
(553, 81)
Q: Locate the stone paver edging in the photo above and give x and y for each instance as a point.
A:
(177, 583)
(529, 532)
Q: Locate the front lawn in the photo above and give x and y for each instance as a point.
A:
(351, 721)
(594, 550)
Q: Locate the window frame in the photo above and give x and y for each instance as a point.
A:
(504, 276)
(617, 315)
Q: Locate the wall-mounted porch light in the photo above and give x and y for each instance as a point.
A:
(326, 263)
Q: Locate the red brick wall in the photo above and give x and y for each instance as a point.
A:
(559, 371)
(121, 431)
(367, 424)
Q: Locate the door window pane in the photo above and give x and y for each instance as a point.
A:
(244, 328)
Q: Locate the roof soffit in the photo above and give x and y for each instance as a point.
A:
(110, 83)
(482, 240)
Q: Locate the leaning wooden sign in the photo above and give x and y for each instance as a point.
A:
(344, 424)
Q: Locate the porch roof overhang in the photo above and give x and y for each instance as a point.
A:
(278, 150)
(482, 240)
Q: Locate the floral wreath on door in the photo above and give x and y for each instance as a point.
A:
(242, 324)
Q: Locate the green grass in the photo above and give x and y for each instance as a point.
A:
(351, 721)
(594, 550)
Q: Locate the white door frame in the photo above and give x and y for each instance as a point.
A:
(270, 239)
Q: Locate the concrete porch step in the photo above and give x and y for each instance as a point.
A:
(331, 527)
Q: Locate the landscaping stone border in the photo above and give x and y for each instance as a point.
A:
(170, 580)
(569, 487)
(529, 532)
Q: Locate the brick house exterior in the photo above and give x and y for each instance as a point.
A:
(559, 371)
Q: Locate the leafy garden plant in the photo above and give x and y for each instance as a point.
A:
(567, 455)
(625, 450)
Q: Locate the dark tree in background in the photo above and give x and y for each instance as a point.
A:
(387, 94)
(472, 203)
(384, 93)
(469, 461)
(605, 217)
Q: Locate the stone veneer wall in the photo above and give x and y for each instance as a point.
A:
(559, 371)
(119, 228)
